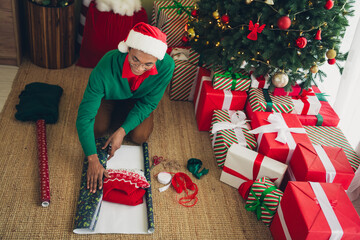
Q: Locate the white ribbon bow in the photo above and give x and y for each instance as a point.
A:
(238, 121)
(278, 124)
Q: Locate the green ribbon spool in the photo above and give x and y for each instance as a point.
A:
(258, 203)
(269, 103)
(194, 165)
(178, 6)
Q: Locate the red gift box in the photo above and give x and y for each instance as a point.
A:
(281, 92)
(325, 164)
(277, 134)
(210, 99)
(326, 117)
(315, 211)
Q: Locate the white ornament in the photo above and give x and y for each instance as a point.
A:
(280, 79)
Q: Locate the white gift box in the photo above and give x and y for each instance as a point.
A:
(243, 164)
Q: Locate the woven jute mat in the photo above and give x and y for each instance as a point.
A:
(218, 214)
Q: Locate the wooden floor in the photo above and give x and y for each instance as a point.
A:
(7, 76)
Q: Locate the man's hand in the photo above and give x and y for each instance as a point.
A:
(115, 141)
(95, 173)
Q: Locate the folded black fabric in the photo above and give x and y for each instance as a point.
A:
(39, 101)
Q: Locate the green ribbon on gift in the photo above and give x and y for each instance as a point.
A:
(320, 120)
(259, 203)
(194, 165)
(178, 6)
(269, 103)
(322, 96)
(233, 75)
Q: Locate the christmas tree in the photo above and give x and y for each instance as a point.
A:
(286, 39)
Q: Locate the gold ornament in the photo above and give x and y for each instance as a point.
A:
(217, 44)
(191, 33)
(280, 79)
(320, 47)
(216, 14)
(314, 69)
(207, 42)
(331, 54)
(248, 1)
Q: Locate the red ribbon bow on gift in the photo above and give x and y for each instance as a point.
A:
(244, 188)
(303, 97)
(305, 93)
(255, 29)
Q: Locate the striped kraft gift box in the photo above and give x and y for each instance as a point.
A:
(264, 199)
(182, 85)
(229, 127)
(224, 80)
(171, 17)
(263, 101)
(334, 137)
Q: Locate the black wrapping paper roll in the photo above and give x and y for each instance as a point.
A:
(148, 195)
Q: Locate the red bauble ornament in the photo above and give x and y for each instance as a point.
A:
(329, 4)
(318, 35)
(225, 19)
(194, 13)
(284, 22)
(185, 39)
(301, 42)
(332, 61)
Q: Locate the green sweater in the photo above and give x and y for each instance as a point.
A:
(106, 82)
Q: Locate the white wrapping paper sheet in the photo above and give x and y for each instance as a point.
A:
(119, 218)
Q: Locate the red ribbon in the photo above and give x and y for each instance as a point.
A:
(244, 188)
(182, 182)
(303, 97)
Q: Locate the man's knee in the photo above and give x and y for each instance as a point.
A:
(139, 137)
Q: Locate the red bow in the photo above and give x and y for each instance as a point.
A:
(304, 94)
(255, 29)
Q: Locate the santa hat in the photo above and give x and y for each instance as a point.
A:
(146, 38)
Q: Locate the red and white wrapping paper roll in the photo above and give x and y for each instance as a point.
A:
(43, 163)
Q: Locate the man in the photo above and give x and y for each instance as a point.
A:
(128, 82)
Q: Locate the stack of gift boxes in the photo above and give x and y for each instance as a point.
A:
(281, 150)
(266, 142)
(172, 18)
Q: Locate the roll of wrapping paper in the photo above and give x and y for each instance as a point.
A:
(43, 163)
(148, 195)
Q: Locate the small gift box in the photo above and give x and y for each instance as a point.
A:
(295, 91)
(334, 137)
(306, 103)
(277, 134)
(264, 198)
(229, 127)
(243, 166)
(226, 80)
(207, 99)
(183, 81)
(311, 210)
(325, 164)
(262, 100)
(259, 82)
(171, 17)
(326, 116)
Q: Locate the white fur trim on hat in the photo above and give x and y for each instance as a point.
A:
(145, 43)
